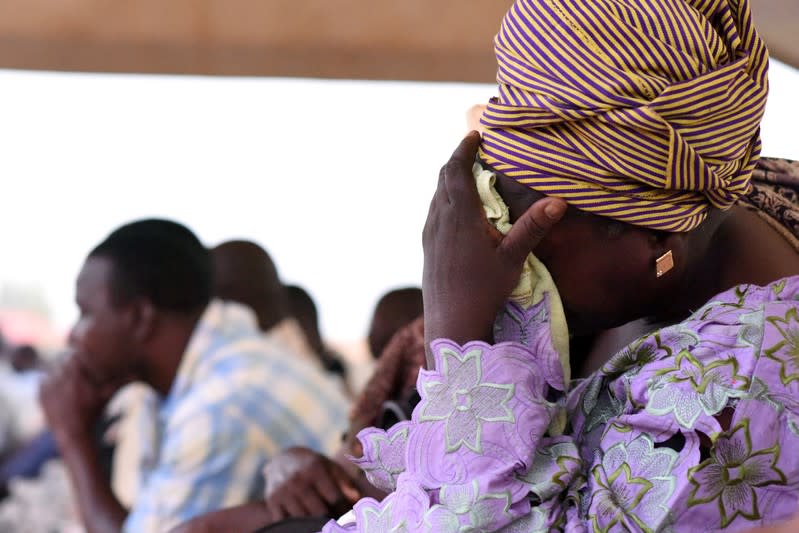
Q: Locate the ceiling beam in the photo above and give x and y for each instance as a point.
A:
(441, 40)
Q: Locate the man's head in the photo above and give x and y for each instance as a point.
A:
(244, 273)
(303, 309)
(143, 278)
(394, 310)
(24, 358)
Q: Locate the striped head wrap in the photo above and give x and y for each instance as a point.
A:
(644, 111)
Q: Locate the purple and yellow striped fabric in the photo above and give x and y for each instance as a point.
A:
(644, 111)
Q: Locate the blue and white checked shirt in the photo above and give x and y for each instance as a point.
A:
(237, 400)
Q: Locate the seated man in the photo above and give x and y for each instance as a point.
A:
(303, 309)
(244, 273)
(302, 483)
(229, 398)
(395, 309)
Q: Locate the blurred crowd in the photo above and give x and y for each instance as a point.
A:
(195, 380)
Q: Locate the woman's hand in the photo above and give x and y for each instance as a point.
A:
(470, 268)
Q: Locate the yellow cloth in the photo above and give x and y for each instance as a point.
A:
(535, 280)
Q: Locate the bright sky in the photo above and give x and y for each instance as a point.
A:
(333, 178)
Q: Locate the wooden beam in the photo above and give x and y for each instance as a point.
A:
(408, 40)
(778, 24)
(411, 39)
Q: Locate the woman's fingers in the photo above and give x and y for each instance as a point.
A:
(473, 116)
(470, 268)
(531, 228)
(458, 176)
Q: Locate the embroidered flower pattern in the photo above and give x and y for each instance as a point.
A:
(786, 351)
(479, 455)
(633, 484)
(689, 388)
(631, 358)
(464, 401)
(554, 468)
(732, 473)
(535, 522)
(400, 512)
(676, 338)
(384, 455)
(464, 510)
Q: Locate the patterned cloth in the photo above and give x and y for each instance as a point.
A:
(691, 428)
(644, 111)
(775, 196)
(391, 390)
(237, 400)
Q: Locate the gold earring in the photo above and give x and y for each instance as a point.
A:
(664, 263)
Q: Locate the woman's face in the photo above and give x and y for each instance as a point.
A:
(604, 271)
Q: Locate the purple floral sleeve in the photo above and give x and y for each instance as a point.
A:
(694, 427)
(474, 456)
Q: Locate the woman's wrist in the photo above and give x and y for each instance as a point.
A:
(459, 329)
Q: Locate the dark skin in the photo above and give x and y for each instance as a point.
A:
(394, 310)
(606, 280)
(244, 273)
(113, 343)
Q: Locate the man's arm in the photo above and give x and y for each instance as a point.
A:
(101, 511)
(240, 519)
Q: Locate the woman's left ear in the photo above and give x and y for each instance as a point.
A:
(669, 254)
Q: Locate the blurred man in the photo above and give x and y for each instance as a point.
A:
(244, 273)
(24, 359)
(303, 483)
(394, 310)
(303, 309)
(230, 399)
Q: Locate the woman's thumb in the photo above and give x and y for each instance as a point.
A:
(531, 228)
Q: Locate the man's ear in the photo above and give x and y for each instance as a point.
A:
(143, 320)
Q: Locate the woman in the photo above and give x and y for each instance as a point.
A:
(623, 142)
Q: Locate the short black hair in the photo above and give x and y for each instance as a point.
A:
(160, 260)
(303, 308)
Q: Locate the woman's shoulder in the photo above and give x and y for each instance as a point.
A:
(749, 295)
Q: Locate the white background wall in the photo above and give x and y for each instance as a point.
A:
(333, 178)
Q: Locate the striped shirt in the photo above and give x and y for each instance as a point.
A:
(238, 399)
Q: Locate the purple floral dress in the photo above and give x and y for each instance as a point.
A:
(692, 428)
